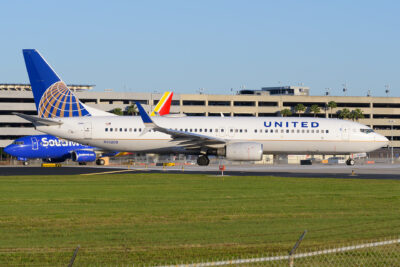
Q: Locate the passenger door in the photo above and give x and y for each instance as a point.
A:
(87, 130)
(35, 143)
(345, 133)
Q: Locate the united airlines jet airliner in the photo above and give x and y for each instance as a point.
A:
(61, 114)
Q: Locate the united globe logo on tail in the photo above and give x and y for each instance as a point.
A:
(59, 101)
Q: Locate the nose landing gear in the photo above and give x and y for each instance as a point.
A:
(350, 162)
(203, 160)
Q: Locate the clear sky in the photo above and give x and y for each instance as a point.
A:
(216, 45)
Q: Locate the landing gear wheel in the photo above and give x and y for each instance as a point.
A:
(350, 162)
(203, 161)
(25, 163)
(100, 162)
(82, 163)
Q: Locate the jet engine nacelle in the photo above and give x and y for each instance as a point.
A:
(83, 156)
(242, 151)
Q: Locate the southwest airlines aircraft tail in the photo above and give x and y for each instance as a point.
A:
(52, 96)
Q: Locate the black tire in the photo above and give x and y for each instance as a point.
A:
(25, 163)
(100, 162)
(350, 162)
(203, 161)
(82, 163)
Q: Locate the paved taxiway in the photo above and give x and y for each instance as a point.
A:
(381, 171)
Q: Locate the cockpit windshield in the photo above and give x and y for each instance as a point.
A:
(19, 143)
(367, 131)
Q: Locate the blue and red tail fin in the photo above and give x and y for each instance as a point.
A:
(52, 96)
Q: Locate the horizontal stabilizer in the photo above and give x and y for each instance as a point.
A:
(38, 121)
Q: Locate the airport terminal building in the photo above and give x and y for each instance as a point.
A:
(380, 113)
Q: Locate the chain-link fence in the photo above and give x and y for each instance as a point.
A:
(381, 253)
(377, 253)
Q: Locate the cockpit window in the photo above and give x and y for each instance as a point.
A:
(367, 131)
(19, 143)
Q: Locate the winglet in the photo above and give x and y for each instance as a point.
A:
(145, 117)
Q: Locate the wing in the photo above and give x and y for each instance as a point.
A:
(182, 138)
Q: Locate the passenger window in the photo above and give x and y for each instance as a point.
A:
(308, 131)
(292, 131)
(140, 129)
(222, 130)
(303, 131)
(185, 130)
(231, 130)
(216, 130)
(210, 130)
(266, 130)
(111, 129)
(190, 130)
(327, 131)
(241, 130)
(312, 131)
(130, 129)
(195, 130)
(276, 130)
(298, 131)
(317, 131)
(106, 129)
(287, 130)
(245, 130)
(236, 130)
(255, 130)
(322, 131)
(116, 129)
(126, 129)
(205, 130)
(282, 131)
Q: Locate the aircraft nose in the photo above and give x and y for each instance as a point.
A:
(381, 138)
(8, 149)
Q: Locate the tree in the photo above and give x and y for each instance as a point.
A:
(332, 105)
(117, 111)
(299, 108)
(356, 114)
(131, 110)
(344, 113)
(286, 112)
(315, 109)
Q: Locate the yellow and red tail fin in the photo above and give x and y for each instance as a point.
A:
(164, 105)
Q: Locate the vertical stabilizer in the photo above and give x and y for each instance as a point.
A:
(52, 96)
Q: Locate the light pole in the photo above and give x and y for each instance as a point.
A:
(391, 127)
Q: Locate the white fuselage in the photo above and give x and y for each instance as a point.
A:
(278, 135)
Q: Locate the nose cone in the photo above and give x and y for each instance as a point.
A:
(9, 149)
(382, 139)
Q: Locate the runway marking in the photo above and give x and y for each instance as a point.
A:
(95, 173)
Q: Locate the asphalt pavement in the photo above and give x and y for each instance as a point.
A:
(382, 171)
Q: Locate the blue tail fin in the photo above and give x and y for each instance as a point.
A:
(52, 96)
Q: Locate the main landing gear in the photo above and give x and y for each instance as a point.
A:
(100, 162)
(350, 162)
(203, 160)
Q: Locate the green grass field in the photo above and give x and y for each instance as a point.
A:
(167, 218)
